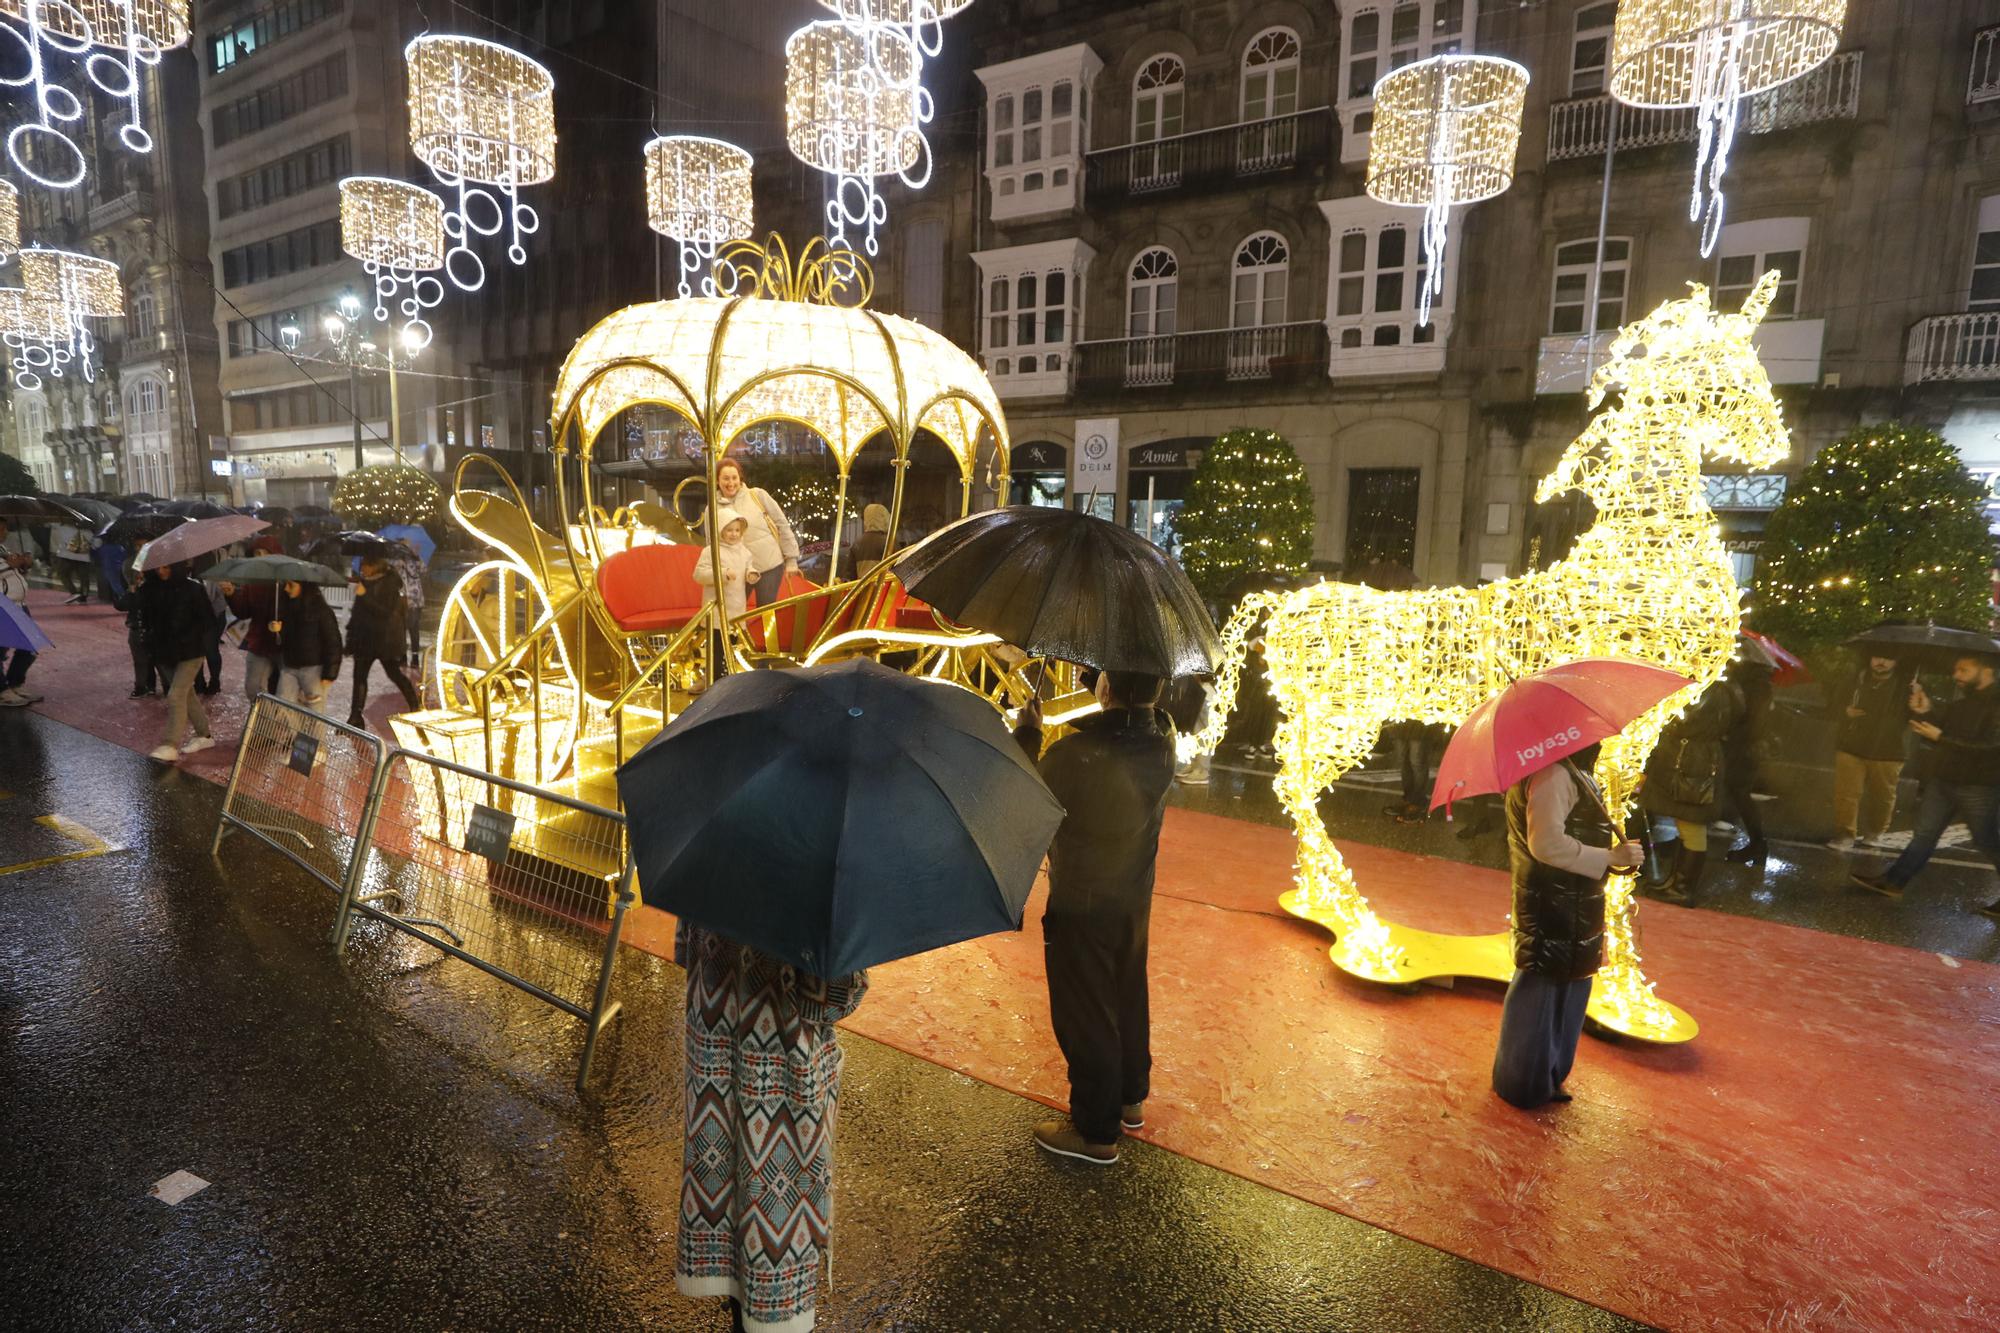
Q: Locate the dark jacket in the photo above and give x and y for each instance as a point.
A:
(311, 636)
(1558, 914)
(868, 549)
(1112, 776)
(177, 619)
(1885, 716)
(256, 604)
(1681, 772)
(1969, 751)
(378, 626)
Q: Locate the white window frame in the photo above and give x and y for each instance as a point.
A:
(1372, 341)
(1591, 80)
(1617, 261)
(1988, 224)
(1765, 242)
(1366, 61)
(145, 311)
(1160, 87)
(1263, 259)
(1267, 58)
(1016, 285)
(1038, 123)
(1150, 321)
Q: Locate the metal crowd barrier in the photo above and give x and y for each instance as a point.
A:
(302, 784)
(526, 885)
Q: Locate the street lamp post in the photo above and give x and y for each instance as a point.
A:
(341, 328)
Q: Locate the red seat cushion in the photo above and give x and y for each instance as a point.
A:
(796, 626)
(651, 589)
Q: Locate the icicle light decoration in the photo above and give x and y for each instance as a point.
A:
(397, 231)
(698, 192)
(117, 41)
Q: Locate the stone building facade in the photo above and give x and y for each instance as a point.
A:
(1151, 225)
(140, 418)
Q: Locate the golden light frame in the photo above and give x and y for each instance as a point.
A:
(391, 223)
(1650, 580)
(1445, 134)
(1709, 55)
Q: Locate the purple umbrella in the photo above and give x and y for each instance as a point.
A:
(19, 630)
(197, 538)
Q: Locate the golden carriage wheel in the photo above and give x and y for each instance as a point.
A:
(487, 615)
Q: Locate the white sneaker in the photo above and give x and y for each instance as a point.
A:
(13, 699)
(198, 744)
(1842, 844)
(166, 754)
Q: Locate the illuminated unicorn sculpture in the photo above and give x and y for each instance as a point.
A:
(1649, 580)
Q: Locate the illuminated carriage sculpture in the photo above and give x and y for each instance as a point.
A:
(563, 653)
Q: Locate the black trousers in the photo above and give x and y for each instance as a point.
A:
(363, 664)
(1097, 1000)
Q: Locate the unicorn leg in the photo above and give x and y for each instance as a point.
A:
(1326, 890)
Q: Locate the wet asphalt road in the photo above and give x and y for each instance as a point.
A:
(393, 1142)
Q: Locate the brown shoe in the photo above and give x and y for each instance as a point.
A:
(1056, 1137)
(1132, 1116)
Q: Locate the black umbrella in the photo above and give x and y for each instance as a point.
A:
(139, 526)
(1923, 643)
(195, 509)
(314, 512)
(356, 542)
(39, 509)
(1067, 585)
(837, 817)
(274, 514)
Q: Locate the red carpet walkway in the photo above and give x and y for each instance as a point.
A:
(1822, 1157)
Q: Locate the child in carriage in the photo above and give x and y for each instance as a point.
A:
(736, 572)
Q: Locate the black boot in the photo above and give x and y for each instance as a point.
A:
(1688, 880)
(1674, 856)
(1751, 853)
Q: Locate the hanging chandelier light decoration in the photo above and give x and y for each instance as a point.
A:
(46, 325)
(698, 191)
(856, 105)
(397, 231)
(116, 41)
(1445, 133)
(482, 118)
(10, 220)
(1709, 55)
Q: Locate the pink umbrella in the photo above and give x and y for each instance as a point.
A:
(189, 540)
(1545, 717)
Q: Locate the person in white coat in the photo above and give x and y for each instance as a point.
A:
(734, 556)
(774, 547)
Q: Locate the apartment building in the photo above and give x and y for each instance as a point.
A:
(140, 416)
(295, 95)
(1160, 232)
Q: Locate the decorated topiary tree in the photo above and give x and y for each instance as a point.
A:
(1249, 510)
(1885, 524)
(369, 497)
(15, 478)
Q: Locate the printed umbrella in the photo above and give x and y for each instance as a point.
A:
(198, 537)
(19, 630)
(838, 816)
(39, 509)
(1923, 643)
(1545, 717)
(272, 569)
(1068, 585)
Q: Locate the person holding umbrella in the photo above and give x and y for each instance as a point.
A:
(1960, 770)
(376, 628)
(804, 826)
(18, 656)
(1536, 740)
(1868, 752)
(307, 637)
(1112, 775)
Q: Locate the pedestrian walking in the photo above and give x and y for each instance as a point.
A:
(307, 638)
(1959, 767)
(1414, 746)
(210, 682)
(1560, 847)
(375, 632)
(409, 564)
(774, 547)
(762, 1075)
(177, 622)
(1684, 783)
(256, 605)
(14, 663)
(1742, 752)
(1869, 752)
(1111, 776)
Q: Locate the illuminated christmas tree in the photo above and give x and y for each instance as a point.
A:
(369, 497)
(1885, 524)
(15, 478)
(1249, 510)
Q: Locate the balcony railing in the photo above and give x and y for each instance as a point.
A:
(1954, 348)
(1983, 84)
(1831, 92)
(1278, 352)
(1205, 159)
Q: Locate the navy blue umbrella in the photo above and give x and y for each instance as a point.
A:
(837, 817)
